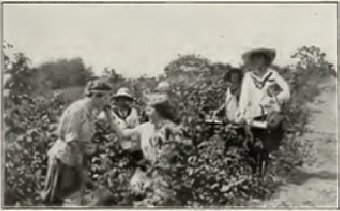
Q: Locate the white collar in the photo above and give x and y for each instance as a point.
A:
(269, 71)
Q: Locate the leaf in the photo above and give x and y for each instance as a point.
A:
(201, 196)
(28, 139)
(216, 185)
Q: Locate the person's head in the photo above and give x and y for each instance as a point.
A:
(163, 87)
(123, 98)
(97, 91)
(234, 78)
(260, 62)
(259, 59)
(161, 108)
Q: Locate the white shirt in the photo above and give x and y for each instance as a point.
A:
(152, 140)
(129, 122)
(254, 100)
(231, 106)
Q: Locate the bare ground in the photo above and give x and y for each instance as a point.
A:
(315, 185)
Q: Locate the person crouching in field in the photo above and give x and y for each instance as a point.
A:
(125, 117)
(66, 173)
(262, 94)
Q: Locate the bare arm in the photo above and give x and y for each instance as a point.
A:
(125, 133)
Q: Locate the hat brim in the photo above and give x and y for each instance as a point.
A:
(270, 53)
(156, 98)
(123, 96)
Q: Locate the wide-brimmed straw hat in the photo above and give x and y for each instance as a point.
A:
(156, 98)
(268, 52)
(123, 93)
(164, 105)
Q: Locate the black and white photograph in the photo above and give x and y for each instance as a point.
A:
(186, 105)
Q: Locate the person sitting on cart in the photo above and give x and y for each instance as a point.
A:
(262, 89)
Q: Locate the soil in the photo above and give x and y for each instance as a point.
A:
(315, 185)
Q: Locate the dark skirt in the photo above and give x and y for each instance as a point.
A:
(265, 141)
(271, 138)
(62, 180)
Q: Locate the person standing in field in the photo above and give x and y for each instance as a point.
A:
(258, 97)
(164, 88)
(67, 159)
(233, 78)
(230, 108)
(157, 137)
(125, 117)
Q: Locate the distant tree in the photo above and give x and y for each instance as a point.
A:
(18, 72)
(186, 69)
(112, 76)
(65, 73)
(312, 58)
(187, 63)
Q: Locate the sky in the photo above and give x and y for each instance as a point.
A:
(143, 39)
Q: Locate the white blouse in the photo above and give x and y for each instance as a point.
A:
(231, 106)
(129, 122)
(254, 100)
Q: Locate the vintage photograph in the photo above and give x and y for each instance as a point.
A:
(169, 105)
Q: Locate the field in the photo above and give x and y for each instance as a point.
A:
(315, 184)
(206, 175)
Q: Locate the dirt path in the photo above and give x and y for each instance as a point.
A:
(315, 185)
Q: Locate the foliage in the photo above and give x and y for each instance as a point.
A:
(202, 172)
(19, 73)
(65, 73)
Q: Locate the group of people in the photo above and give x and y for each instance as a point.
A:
(256, 94)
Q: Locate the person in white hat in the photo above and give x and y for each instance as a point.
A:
(259, 100)
(123, 115)
(255, 86)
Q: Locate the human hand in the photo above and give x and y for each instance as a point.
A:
(111, 137)
(274, 119)
(90, 148)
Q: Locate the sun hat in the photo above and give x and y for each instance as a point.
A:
(163, 105)
(270, 53)
(163, 86)
(156, 98)
(123, 92)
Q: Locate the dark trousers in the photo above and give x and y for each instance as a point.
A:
(61, 181)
